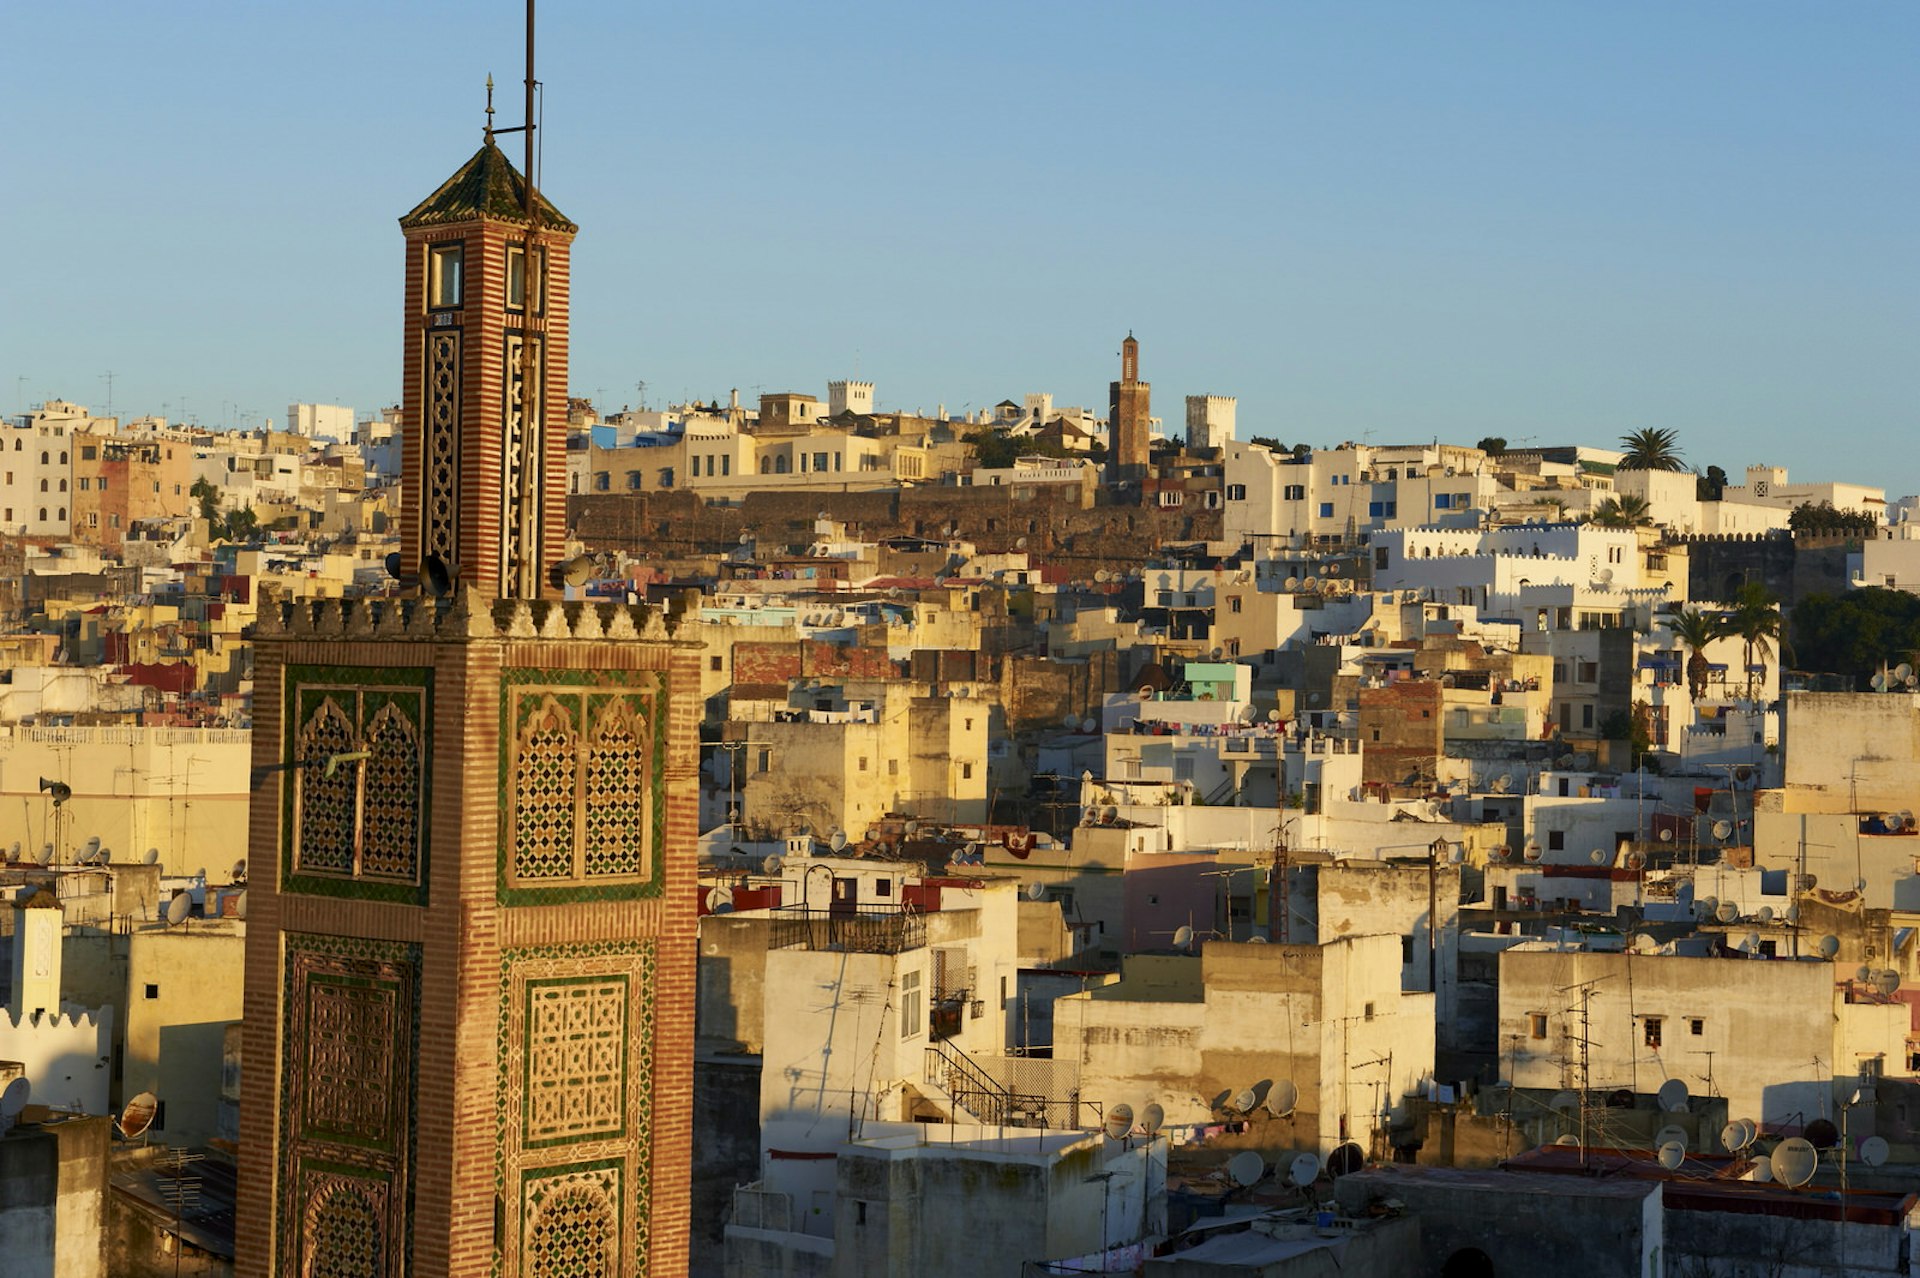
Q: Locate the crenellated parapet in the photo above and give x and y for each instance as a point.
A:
(465, 616)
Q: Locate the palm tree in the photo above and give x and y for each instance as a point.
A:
(1696, 630)
(1653, 448)
(1755, 621)
(1624, 511)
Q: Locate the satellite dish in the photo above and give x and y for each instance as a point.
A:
(1673, 1096)
(1873, 1150)
(152, 857)
(93, 844)
(240, 906)
(1503, 783)
(1670, 1134)
(1246, 1167)
(1863, 974)
(1153, 1118)
(1878, 683)
(1246, 1100)
(1705, 906)
(1722, 830)
(1293, 583)
(1568, 1139)
(1886, 981)
(1822, 1134)
(1273, 716)
(1532, 852)
(1750, 943)
(1894, 821)
(576, 571)
(238, 874)
(771, 865)
(178, 909)
(1088, 725)
(1672, 1154)
(138, 1115)
(1344, 1159)
(439, 578)
(837, 840)
(1829, 946)
(1304, 1169)
(1762, 1168)
(1036, 892)
(1731, 1137)
(719, 900)
(14, 1099)
(1182, 937)
(1903, 672)
(1282, 1097)
(1564, 1101)
(1764, 914)
(1597, 856)
(1794, 1161)
(1636, 860)
(1119, 1120)
(1726, 912)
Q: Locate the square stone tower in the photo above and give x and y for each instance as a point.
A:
(1129, 413)
(471, 928)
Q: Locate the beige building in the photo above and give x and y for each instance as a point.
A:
(1252, 1023)
(843, 756)
(181, 790)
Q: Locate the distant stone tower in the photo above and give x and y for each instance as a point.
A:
(1209, 421)
(849, 397)
(1129, 413)
(471, 948)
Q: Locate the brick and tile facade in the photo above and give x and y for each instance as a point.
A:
(470, 962)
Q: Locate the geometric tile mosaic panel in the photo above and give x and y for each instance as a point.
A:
(350, 1050)
(356, 825)
(575, 1107)
(581, 785)
(576, 1058)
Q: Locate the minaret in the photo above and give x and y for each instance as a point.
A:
(485, 476)
(1128, 414)
(471, 924)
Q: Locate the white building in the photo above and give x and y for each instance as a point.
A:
(1773, 1036)
(1769, 486)
(320, 421)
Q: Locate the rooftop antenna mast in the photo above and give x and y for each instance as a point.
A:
(525, 573)
(1586, 1056)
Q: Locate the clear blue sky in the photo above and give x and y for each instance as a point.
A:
(1372, 220)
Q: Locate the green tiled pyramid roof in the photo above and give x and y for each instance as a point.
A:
(486, 186)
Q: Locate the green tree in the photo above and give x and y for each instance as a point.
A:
(1852, 634)
(1625, 511)
(209, 498)
(1695, 629)
(1492, 445)
(1755, 621)
(1652, 448)
(1809, 518)
(1268, 442)
(1710, 486)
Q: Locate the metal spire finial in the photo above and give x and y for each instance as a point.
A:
(489, 106)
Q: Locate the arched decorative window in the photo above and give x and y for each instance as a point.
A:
(342, 1235)
(63, 514)
(573, 1233)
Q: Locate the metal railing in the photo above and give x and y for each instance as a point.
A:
(990, 1102)
(848, 931)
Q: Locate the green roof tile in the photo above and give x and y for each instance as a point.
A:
(487, 186)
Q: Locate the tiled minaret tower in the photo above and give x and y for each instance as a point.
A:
(1128, 415)
(470, 959)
